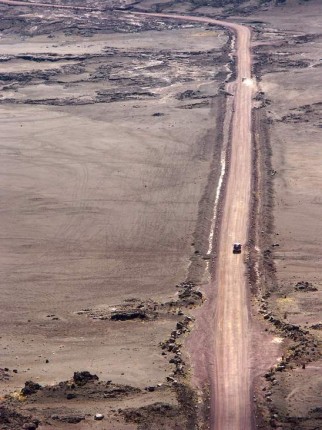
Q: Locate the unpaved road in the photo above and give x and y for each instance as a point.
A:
(229, 377)
(22, 3)
(232, 381)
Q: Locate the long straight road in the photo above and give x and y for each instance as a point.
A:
(232, 407)
(230, 375)
(229, 333)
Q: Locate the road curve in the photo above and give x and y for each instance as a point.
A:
(229, 332)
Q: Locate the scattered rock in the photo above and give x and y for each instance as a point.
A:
(147, 412)
(98, 417)
(70, 419)
(317, 326)
(305, 286)
(12, 420)
(151, 388)
(81, 378)
(129, 315)
(317, 410)
(30, 426)
(190, 94)
(280, 367)
(4, 376)
(189, 293)
(30, 388)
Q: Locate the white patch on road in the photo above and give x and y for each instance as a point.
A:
(249, 82)
(277, 340)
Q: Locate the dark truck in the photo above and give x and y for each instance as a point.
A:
(237, 248)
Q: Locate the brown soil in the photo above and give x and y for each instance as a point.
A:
(288, 234)
(100, 220)
(100, 215)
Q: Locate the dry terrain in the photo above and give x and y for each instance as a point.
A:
(288, 63)
(112, 127)
(108, 145)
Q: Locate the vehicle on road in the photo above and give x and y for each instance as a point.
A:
(237, 248)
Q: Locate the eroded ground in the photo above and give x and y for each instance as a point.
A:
(288, 62)
(109, 142)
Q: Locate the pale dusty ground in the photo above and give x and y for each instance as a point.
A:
(297, 160)
(99, 205)
(291, 82)
(80, 231)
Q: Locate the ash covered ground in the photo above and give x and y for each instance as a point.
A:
(111, 129)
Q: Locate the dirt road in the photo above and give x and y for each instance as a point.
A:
(232, 382)
(228, 332)
(22, 3)
(230, 379)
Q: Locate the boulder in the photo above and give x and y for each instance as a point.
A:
(81, 378)
(70, 419)
(30, 388)
(30, 426)
(129, 315)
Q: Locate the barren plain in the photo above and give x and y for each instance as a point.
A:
(111, 131)
(107, 144)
